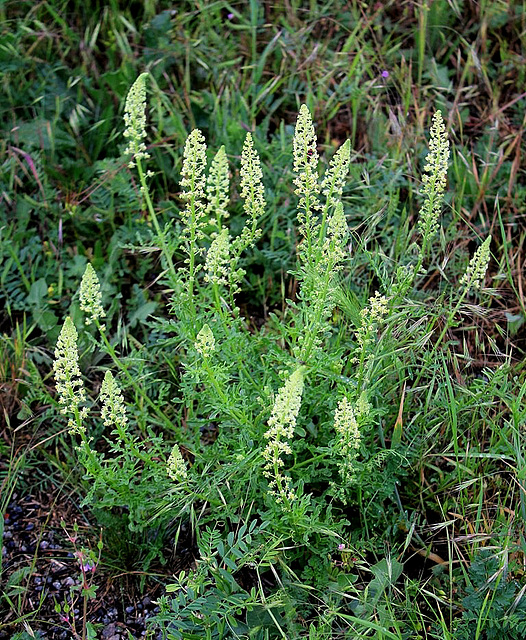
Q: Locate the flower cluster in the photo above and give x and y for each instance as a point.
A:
(281, 429)
(193, 181)
(218, 259)
(135, 120)
(253, 194)
(90, 296)
(176, 466)
(217, 187)
(113, 410)
(434, 179)
(334, 179)
(333, 250)
(306, 166)
(205, 342)
(478, 265)
(347, 429)
(70, 388)
(372, 316)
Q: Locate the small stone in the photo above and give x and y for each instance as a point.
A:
(44, 544)
(109, 631)
(57, 585)
(69, 582)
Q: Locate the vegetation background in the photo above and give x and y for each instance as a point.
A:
(442, 555)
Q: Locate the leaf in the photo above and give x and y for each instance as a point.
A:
(386, 573)
(37, 293)
(141, 314)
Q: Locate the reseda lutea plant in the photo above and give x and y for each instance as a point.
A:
(297, 408)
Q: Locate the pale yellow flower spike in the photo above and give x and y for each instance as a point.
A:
(218, 259)
(135, 119)
(306, 166)
(70, 388)
(176, 466)
(281, 429)
(113, 412)
(217, 187)
(205, 342)
(434, 179)
(346, 427)
(90, 296)
(478, 265)
(193, 182)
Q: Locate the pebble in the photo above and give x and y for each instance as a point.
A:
(109, 630)
(56, 571)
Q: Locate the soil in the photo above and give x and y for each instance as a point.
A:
(40, 570)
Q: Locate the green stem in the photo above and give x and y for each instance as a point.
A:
(164, 247)
(222, 395)
(309, 461)
(313, 329)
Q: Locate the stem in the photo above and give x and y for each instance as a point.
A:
(222, 395)
(84, 610)
(153, 216)
(309, 461)
(314, 325)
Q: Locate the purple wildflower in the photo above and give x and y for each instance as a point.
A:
(385, 73)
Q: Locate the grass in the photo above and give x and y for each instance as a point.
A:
(435, 544)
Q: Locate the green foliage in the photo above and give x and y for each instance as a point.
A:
(217, 291)
(494, 605)
(286, 442)
(209, 602)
